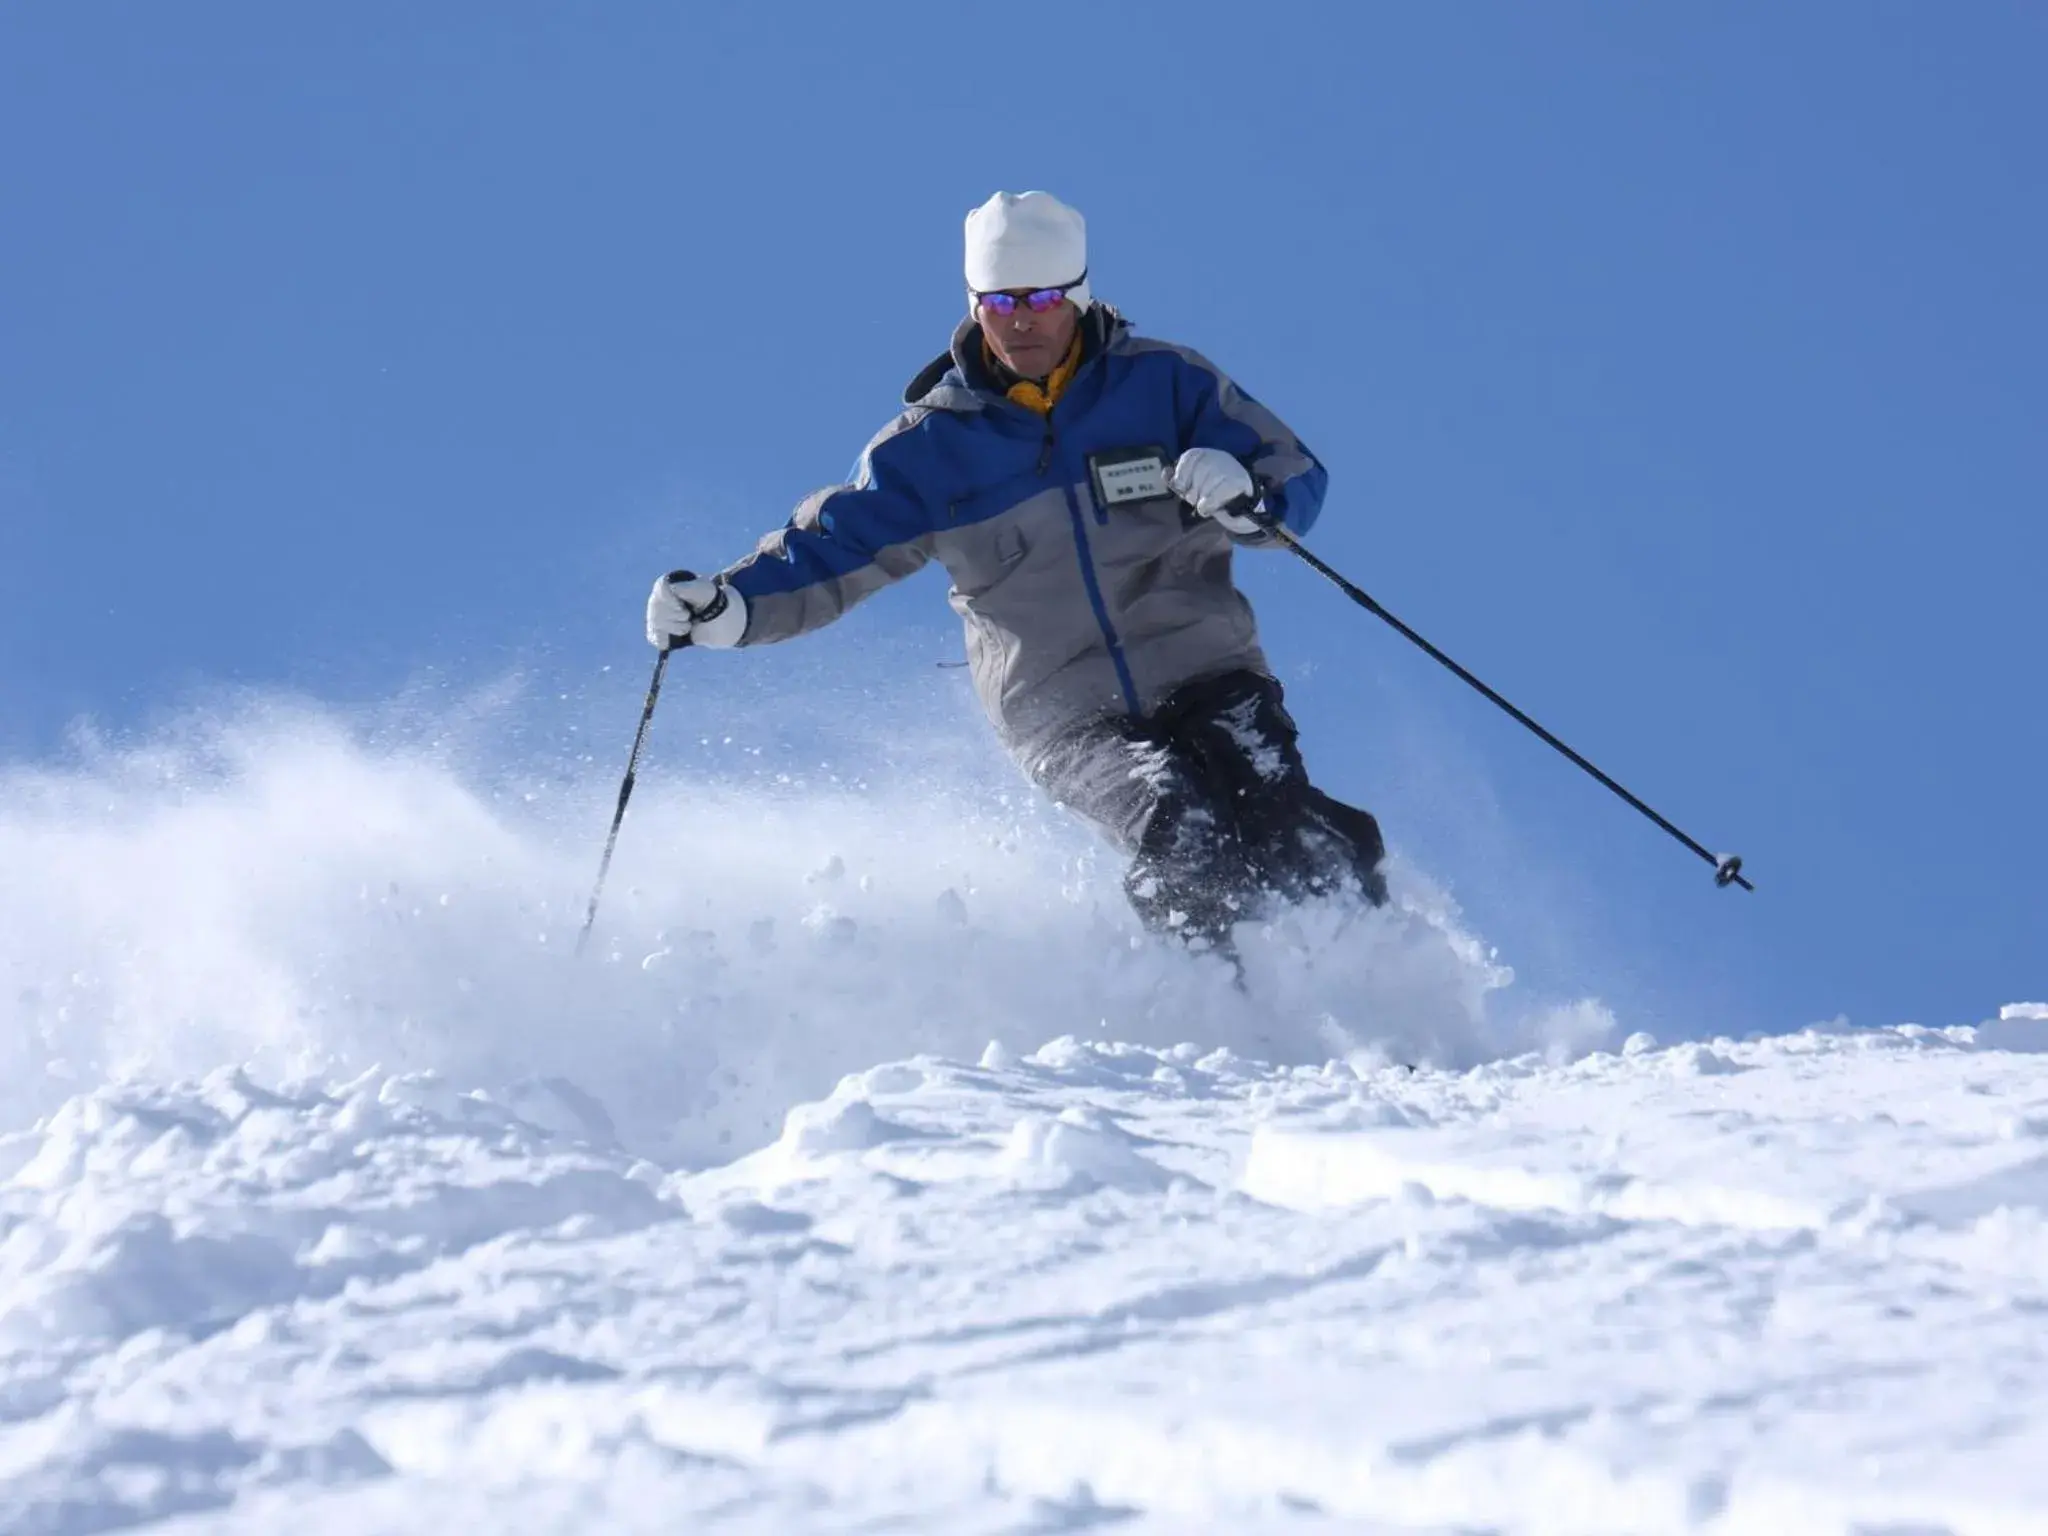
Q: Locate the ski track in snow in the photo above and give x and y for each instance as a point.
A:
(469, 1236)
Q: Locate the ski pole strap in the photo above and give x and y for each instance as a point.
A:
(1727, 867)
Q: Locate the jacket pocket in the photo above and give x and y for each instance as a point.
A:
(994, 536)
(981, 556)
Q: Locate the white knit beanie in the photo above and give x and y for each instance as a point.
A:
(1026, 240)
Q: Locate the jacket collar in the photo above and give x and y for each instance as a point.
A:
(958, 380)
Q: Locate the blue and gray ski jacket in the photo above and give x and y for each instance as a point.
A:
(1085, 586)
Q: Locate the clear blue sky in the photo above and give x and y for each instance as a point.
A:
(1684, 369)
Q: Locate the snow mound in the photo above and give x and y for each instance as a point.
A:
(839, 1125)
(1574, 1150)
(190, 1206)
(2018, 1027)
(1081, 1145)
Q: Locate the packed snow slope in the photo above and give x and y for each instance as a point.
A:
(337, 1196)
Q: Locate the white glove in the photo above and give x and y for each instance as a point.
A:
(699, 609)
(1208, 479)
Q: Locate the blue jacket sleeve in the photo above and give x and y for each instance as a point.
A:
(1217, 414)
(842, 544)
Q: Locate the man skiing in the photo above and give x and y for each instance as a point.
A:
(1085, 488)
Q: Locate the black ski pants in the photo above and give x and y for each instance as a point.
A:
(1210, 798)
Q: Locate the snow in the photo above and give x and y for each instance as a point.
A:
(280, 894)
(886, 1183)
(1614, 1294)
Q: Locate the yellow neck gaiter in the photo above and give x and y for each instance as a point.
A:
(1036, 397)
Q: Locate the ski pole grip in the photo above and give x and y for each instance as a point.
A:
(678, 642)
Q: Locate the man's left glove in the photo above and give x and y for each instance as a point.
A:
(1210, 481)
(699, 609)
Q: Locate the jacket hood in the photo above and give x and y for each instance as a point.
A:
(955, 380)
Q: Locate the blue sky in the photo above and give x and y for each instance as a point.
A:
(1679, 368)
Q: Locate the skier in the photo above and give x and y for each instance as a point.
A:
(1085, 488)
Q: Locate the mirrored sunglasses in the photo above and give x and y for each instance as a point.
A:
(1038, 300)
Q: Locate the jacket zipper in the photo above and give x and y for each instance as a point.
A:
(1094, 586)
(1089, 580)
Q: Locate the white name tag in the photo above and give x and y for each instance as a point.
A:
(1133, 477)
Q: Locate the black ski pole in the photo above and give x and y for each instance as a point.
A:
(1727, 867)
(611, 842)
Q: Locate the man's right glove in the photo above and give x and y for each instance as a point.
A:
(700, 609)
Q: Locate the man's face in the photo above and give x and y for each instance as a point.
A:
(1029, 345)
